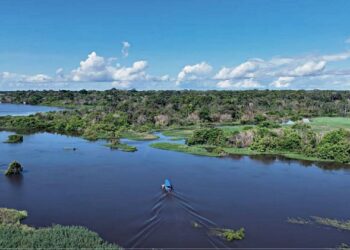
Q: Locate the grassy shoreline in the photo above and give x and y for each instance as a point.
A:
(14, 234)
(225, 151)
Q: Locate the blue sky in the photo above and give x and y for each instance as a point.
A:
(202, 44)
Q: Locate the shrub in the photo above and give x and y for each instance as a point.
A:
(15, 138)
(335, 145)
(14, 168)
(209, 136)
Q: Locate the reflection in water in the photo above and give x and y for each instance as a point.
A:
(15, 180)
(117, 194)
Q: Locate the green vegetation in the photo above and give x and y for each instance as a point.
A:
(115, 144)
(299, 220)
(337, 224)
(196, 150)
(207, 136)
(326, 124)
(14, 139)
(13, 234)
(229, 234)
(138, 136)
(237, 122)
(298, 142)
(11, 216)
(179, 134)
(14, 168)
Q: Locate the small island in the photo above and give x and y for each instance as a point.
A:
(14, 168)
(14, 138)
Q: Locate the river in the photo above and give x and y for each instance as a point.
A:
(118, 194)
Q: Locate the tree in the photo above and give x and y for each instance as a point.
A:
(14, 168)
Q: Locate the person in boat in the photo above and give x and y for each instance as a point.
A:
(167, 186)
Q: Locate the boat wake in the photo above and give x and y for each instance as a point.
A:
(157, 217)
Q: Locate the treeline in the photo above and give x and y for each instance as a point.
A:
(299, 138)
(164, 108)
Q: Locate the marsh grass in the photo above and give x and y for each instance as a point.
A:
(334, 223)
(137, 136)
(122, 146)
(196, 150)
(11, 216)
(15, 235)
(299, 220)
(338, 224)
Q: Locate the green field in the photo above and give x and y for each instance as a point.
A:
(195, 150)
(326, 124)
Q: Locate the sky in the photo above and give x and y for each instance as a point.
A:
(174, 44)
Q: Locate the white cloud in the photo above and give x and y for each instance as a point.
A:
(245, 69)
(282, 82)
(242, 84)
(347, 40)
(194, 72)
(125, 48)
(92, 69)
(309, 68)
(39, 78)
(336, 57)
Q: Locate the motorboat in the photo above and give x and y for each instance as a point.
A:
(167, 186)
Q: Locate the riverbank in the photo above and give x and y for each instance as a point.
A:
(207, 150)
(14, 234)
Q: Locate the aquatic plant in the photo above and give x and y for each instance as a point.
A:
(14, 168)
(338, 224)
(298, 220)
(122, 146)
(229, 234)
(16, 235)
(14, 138)
(11, 216)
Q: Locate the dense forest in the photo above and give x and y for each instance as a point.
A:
(260, 114)
(189, 107)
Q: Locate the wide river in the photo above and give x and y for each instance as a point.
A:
(118, 195)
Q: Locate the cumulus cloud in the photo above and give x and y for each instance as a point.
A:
(245, 69)
(194, 72)
(242, 84)
(125, 48)
(282, 82)
(309, 68)
(303, 72)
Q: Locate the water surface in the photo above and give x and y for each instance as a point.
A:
(118, 195)
(22, 110)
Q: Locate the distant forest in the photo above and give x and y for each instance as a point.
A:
(163, 108)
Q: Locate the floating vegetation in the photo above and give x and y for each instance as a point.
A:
(229, 234)
(14, 168)
(11, 216)
(122, 146)
(15, 235)
(14, 139)
(299, 220)
(338, 224)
